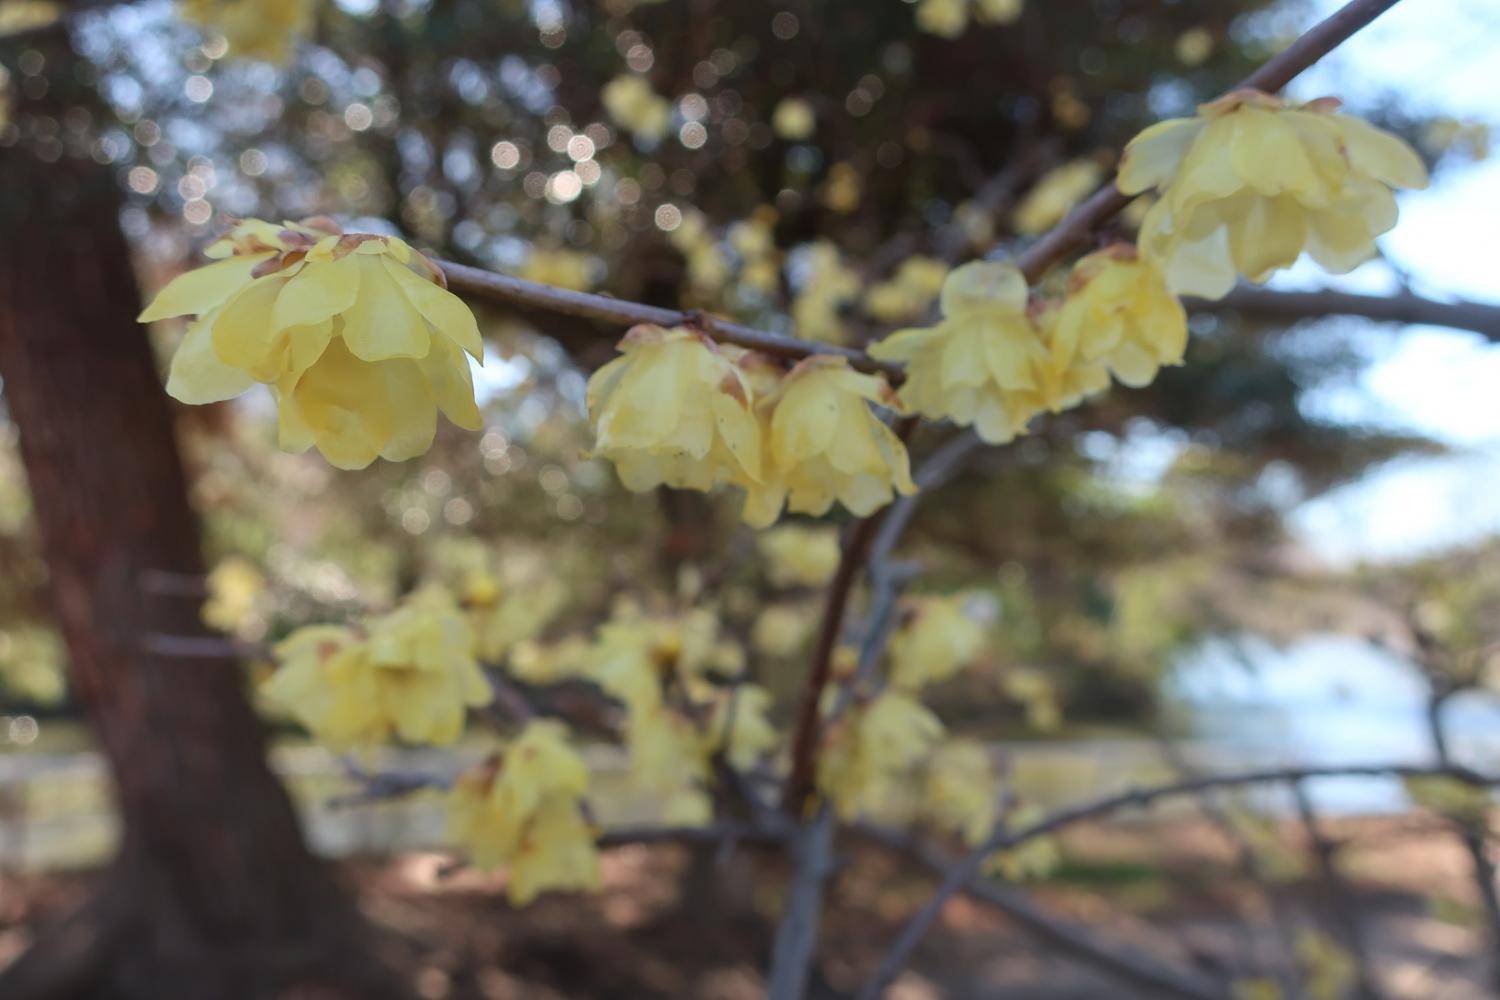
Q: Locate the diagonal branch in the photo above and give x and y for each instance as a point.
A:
(1071, 234)
(1130, 966)
(961, 875)
(1405, 307)
(1074, 231)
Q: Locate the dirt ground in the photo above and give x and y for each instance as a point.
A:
(673, 925)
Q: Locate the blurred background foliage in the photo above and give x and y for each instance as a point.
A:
(782, 164)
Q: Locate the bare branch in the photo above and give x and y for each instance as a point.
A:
(797, 933)
(966, 871)
(1340, 898)
(605, 309)
(1404, 307)
(1074, 231)
(1159, 979)
(805, 736)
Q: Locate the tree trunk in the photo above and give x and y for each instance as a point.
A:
(213, 893)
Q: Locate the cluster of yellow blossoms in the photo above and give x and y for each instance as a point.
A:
(666, 671)
(356, 335)
(1252, 182)
(411, 672)
(680, 410)
(524, 809)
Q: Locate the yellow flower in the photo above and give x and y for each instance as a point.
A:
(632, 655)
(947, 18)
(1252, 182)
(635, 107)
(503, 616)
(824, 443)
(794, 119)
(738, 727)
(674, 409)
(1000, 11)
(843, 188)
(255, 29)
(234, 590)
(799, 556)
(909, 293)
(829, 286)
(962, 792)
(525, 811)
(782, 629)
(560, 268)
(987, 363)
(534, 663)
(669, 759)
(938, 636)
(325, 682)
(865, 764)
(357, 337)
(1055, 194)
(1119, 313)
(412, 674)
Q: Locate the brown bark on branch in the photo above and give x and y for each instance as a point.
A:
(1460, 314)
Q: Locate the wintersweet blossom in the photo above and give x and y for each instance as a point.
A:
(1054, 195)
(937, 637)
(823, 444)
(359, 340)
(669, 758)
(1253, 181)
(987, 363)
(909, 293)
(674, 409)
(411, 672)
(961, 792)
(866, 762)
(1119, 313)
(798, 555)
(524, 810)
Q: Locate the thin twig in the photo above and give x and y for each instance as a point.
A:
(1160, 979)
(797, 932)
(1404, 307)
(1340, 898)
(805, 736)
(1075, 230)
(963, 873)
(1470, 834)
(606, 309)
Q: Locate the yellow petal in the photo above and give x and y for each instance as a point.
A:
(381, 323)
(1152, 158)
(320, 291)
(442, 308)
(202, 289)
(197, 375)
(243, 334)
(1380, 154)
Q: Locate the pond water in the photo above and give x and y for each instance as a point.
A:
(1325, 700)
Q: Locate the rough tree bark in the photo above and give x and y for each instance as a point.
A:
(213, 893)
